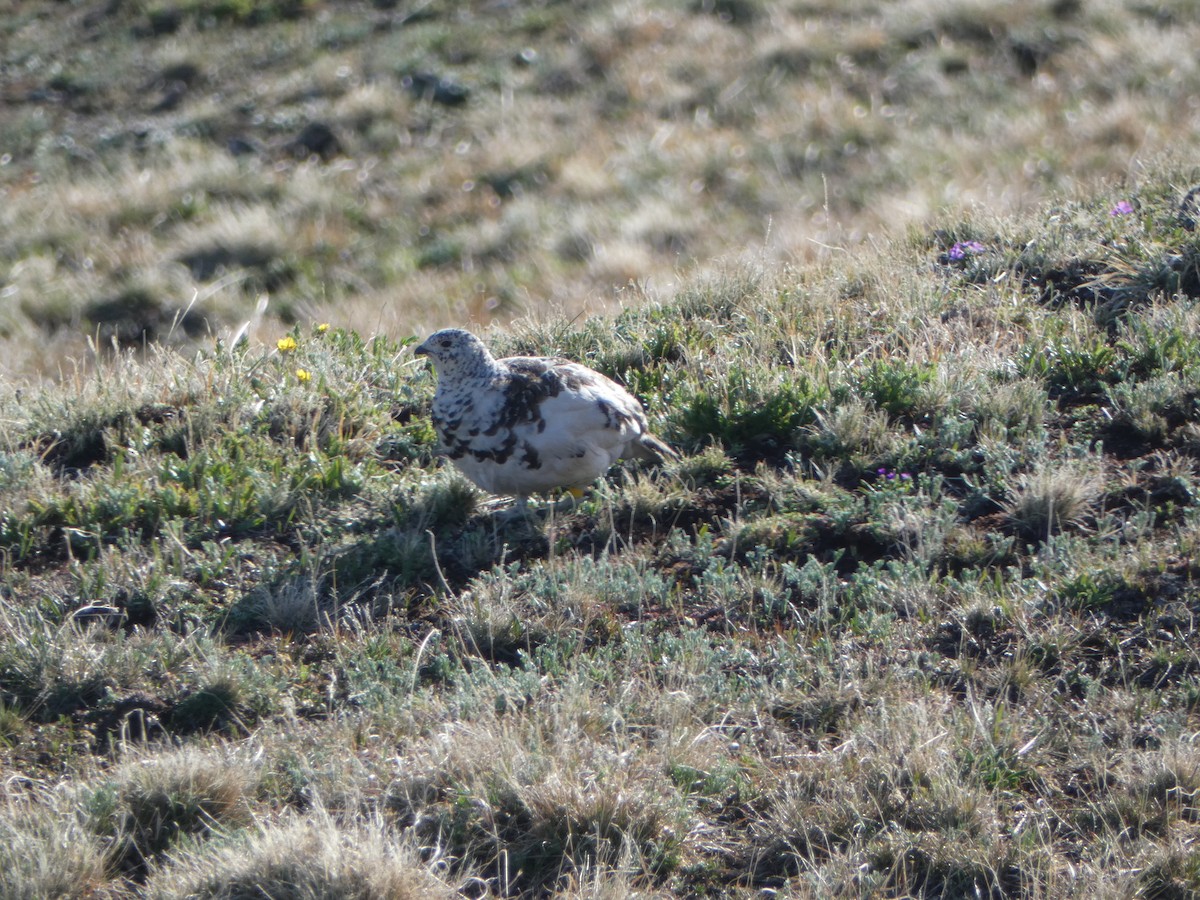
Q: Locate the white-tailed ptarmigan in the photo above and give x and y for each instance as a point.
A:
(529, 424)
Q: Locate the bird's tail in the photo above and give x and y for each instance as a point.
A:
(650, 447)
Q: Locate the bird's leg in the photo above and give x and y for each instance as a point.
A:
(519, 510)
(569, 501)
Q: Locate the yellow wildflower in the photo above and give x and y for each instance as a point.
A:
(303, 375)
(322, 328)
(286, 344)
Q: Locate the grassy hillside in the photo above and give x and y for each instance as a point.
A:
(174, 169)
(916, 613)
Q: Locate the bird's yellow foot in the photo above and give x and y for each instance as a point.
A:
(569, 500)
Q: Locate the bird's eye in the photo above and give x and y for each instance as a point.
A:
(446, 343)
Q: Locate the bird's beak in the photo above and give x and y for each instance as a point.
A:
(420, 350)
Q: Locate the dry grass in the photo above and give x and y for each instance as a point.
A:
(593, 151)
(46, 850)
(304, 858)
(915, 613)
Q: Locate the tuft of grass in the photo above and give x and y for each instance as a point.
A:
(542, 817)
(1050, 499)
(214, 705)
(1162, 789)
(48, 671)
(297, 605)
(151, 804)
(851, 433)
(313, 856)
(47, 855)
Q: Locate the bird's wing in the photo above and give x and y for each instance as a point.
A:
(564, 406)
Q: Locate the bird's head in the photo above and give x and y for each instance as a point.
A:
(456, 352)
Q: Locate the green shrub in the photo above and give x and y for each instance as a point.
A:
(750, 419)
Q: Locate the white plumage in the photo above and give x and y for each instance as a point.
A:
(524, 425)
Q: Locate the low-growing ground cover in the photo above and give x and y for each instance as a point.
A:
(914, 615)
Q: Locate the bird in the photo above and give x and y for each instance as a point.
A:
(530, 424)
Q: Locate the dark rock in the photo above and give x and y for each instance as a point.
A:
(732, 12)
(172, 95)
(428, 86)
(187, 72)
(243, 146)
(134, 718)
(315, 139)
(98, 614)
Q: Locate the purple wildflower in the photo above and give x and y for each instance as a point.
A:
(961, 249)
(1124, 207)
(892, 477)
